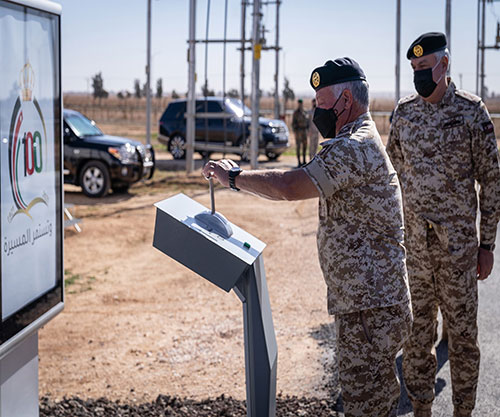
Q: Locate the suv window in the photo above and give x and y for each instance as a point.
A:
(175, 111)
(211, 107)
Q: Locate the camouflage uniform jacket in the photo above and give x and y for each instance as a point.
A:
(438, 151)
(300, 120)
(360, 233)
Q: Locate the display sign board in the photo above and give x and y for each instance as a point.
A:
(30, 161)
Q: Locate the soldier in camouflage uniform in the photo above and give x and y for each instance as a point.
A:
(300, 124)
(360, 235)
(441, 141)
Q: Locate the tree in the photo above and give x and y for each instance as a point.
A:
(137, 88)
(98, 86)
(159, 88)
(120, 95)
(233, 93)
(175, 95)
(206, 91)
(288, 93)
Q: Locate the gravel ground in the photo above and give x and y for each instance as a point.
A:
(175, 407)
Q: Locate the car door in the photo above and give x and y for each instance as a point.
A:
(71, 153)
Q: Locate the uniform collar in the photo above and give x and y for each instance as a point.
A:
(349, 128)
(447, 98)
(449, 94)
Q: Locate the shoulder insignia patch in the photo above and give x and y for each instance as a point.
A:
(407, 99)
(487, 127)
(468, 96)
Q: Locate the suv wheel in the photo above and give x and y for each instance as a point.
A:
(205, 155)
(272, 156)
(177, 147)
(94, 179)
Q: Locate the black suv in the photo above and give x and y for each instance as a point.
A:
(98, 162)
(222, 125)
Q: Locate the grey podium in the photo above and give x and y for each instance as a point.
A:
(230, 258)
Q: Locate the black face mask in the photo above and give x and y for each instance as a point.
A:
(326, 120)
(424, 84)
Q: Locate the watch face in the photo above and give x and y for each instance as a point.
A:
(235, 169)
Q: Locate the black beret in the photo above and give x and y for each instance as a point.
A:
(426, 44)
(336, 72)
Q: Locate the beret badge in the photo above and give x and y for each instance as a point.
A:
(418, 51)
(315, 79)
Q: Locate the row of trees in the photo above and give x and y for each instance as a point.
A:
(141, 91)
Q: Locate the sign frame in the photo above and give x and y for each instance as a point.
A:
(28, 319)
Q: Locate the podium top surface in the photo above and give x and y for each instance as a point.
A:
(241, 244)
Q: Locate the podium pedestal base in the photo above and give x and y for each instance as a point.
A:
(19, 380)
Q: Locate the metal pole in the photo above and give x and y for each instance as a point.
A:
(448, 28)
(256, 48)
(148, 79)
(276, 71)
(243, 35)
(478, 44)
(190, 110)
(482, 48)
(398, 50)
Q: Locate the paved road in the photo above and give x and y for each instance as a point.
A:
(488, 395)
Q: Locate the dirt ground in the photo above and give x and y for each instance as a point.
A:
(137, 324)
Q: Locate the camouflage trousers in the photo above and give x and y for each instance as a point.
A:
(435, 282)
(368, 342)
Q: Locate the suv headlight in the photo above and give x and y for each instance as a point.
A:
(125, 153)
(270, 130)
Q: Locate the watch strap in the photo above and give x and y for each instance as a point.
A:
(232, 179)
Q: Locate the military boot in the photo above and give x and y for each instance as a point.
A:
(461, 412)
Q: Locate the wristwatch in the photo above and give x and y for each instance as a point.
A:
(233, 173)
(490, 247)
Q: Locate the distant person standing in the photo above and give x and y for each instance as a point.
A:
(300, 123)
(313, 132)
(441, 142)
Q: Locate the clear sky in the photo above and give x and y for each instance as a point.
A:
(109, 36)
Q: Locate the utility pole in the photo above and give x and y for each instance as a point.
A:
(148, 79)
(448, 28)
(256, 49)
(243, 38)
(398, 50)
(482, 47)
(478, 44)
(190, 105)
(277, 57)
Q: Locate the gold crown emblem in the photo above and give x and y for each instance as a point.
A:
(315, 79)
(27, 82)
(418, 51)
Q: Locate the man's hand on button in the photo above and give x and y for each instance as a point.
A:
(219, 170)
